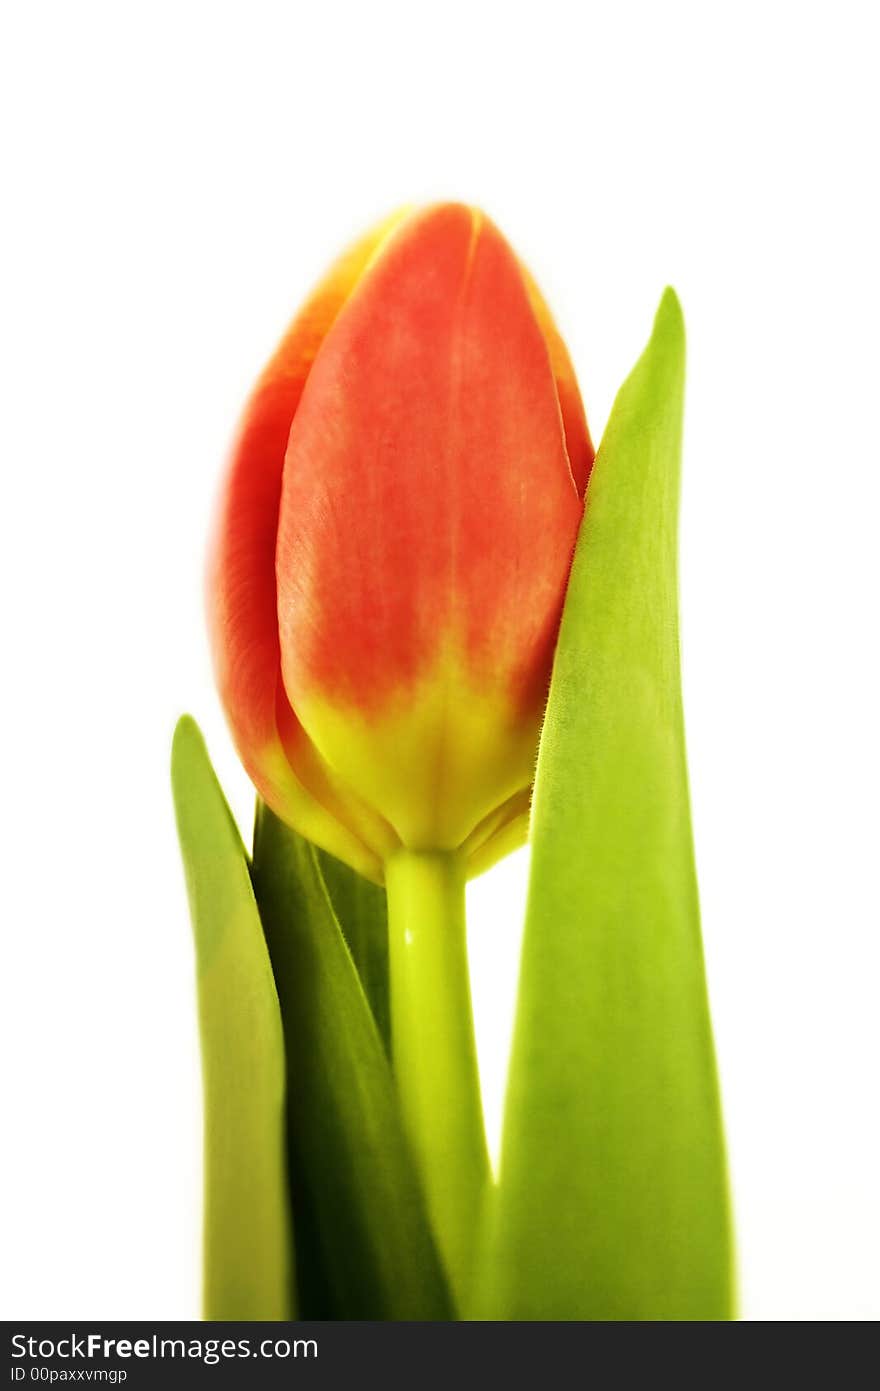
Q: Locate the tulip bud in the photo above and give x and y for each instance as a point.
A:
(393, 546)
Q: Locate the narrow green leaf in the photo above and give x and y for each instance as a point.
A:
(613, 1193)
(361, 910)
(248, 1243)
(364, 1246)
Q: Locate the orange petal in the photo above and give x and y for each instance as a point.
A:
(242, 609)
(428, 520)
(577, 435)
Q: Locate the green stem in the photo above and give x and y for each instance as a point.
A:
(434, 1051)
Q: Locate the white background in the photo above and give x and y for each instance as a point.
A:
(175, 176)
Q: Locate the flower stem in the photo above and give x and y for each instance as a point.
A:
(434, 1051)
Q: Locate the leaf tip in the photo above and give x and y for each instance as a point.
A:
(186, 740)
(192, 774)
(669, 319)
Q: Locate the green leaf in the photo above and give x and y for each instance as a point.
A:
(361, 910)
(364, 1246)
(613, 1191)
(248, 1242)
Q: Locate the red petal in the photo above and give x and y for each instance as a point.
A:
(428, 505)
(577, 435)
(242, 610)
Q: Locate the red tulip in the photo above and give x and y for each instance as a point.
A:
(393, 546)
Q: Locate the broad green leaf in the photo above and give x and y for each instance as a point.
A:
(362, 912)
(613, 1199)
(364, 1247)
(248, 1242)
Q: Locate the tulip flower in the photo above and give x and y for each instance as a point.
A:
(393, 545)
(391, 557)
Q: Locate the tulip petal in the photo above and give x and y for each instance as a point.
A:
(511, 835)
(241, 581)
(427, 525)
(574, 419)
(493, 837)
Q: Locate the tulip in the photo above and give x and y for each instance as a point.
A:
(386, 582)
(393, 545)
